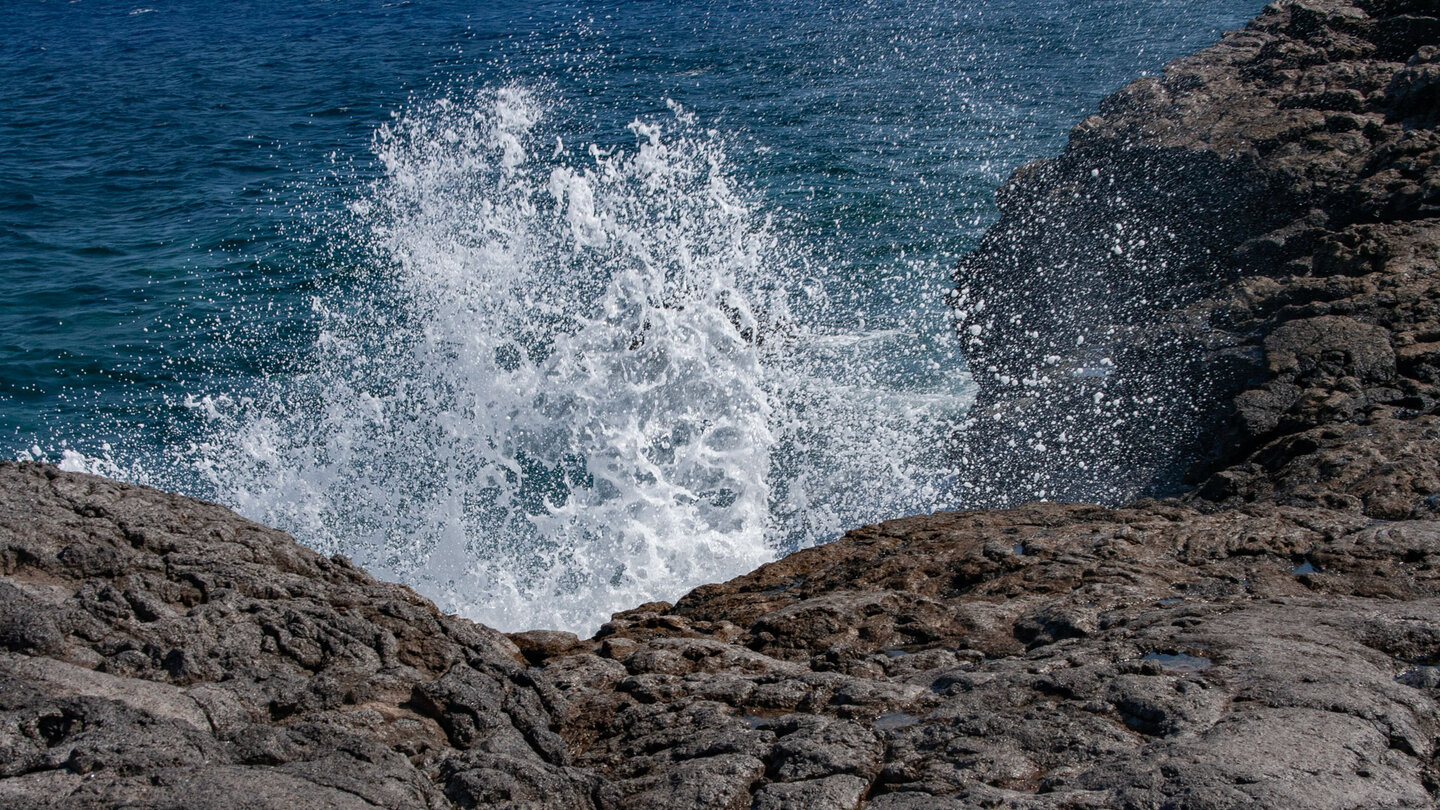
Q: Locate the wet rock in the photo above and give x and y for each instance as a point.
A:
(1165, 297)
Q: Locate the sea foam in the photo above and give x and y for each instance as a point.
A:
(572, 379)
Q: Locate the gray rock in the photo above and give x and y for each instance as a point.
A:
(830, 793)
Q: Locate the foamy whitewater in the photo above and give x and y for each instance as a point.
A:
(576, 379)
(497, 345)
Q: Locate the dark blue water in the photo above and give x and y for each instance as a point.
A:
(177, 179)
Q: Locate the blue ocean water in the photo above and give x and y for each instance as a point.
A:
(546, 308)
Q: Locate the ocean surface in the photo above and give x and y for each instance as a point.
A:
(547, 309)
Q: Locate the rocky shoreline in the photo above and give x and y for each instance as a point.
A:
(1262, 334)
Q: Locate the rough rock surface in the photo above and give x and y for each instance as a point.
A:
(159, 652)
(1240, 250)
(1270, 639)
(162, 652)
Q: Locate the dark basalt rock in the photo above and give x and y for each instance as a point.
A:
(1268, 639)
(1236, 251)
(162, 652)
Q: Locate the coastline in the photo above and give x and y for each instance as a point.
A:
(1264, 634)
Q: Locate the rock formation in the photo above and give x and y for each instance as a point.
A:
(1271, 321)
(1177, 288)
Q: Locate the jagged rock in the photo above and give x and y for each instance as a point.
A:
(1048, 656)
(1239, 250)
(165, 652)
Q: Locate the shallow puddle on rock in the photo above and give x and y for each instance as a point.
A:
(895, 720)
(1179, 663)
(1305, 568)
(1421, 677)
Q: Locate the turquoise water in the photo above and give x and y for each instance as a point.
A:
(546, 308)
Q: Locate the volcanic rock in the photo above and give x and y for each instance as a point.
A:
(1233, 252)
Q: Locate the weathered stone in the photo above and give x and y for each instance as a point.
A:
(838, 792)
(1165, 265)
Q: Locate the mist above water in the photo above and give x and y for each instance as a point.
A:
(537, 381)
(573, 379)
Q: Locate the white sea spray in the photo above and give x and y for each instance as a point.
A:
(575, 380)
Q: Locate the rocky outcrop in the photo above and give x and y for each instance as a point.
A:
(1238, 251)
(159, 652)
(1269, 639)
